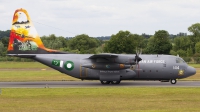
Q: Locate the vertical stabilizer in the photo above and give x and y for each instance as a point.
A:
(24, 38)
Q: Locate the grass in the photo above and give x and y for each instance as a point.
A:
(22, 65)
(195, 65)
(100, 99)
(31, 71)
(34, 75)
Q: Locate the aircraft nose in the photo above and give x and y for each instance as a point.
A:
(191, 70)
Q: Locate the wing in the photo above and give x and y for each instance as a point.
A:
(104, 55)
(107, 61)
(114, 58)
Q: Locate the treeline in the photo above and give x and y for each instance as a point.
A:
(81, 44)
(125, 42)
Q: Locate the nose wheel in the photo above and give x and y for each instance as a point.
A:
(173, 81)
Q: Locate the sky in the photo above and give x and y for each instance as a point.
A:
(69, 18)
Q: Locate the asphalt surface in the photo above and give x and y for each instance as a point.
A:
(96, 84)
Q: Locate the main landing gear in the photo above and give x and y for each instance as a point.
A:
(112, 82)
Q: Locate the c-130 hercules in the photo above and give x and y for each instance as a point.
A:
(24, 42)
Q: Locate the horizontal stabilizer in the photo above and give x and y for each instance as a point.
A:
(23, 55)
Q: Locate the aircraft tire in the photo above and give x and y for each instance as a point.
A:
(105, 82)
(115, 82)
(173, 81)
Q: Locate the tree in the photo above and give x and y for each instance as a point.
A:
(124, 42)
(195, 29)
(159, 43)
(3, 46)
(150, 46)
(172, 52)
(54, 42)
(182, 43)
(2, 49)
(4, 33)
(195, 37)
(189, 52)
(63, 40)
(84, 44)
(197, 47)
(181, 53)
(5, 41)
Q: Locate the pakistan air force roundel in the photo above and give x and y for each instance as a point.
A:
(69, 65)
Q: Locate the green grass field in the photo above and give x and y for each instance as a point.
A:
(33, 75)
(34, 71)
(100, 99)
(22, 65)
(30, 71)
(195, 65)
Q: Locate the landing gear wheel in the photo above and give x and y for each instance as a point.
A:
(105, 82)
(173, 81)
(115, 82)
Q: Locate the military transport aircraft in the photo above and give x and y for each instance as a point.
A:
(24, 42)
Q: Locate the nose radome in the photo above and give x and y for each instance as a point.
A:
(191, 70)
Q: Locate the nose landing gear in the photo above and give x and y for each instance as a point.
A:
(173, 81)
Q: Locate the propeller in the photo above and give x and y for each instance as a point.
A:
(137, 58)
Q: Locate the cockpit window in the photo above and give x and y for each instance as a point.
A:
(179, 60)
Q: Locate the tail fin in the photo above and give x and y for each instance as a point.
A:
(24, 39)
